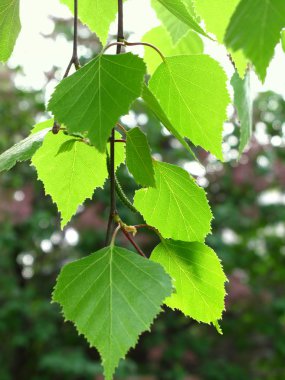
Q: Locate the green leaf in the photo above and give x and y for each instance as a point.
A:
(191, 89)
(243, 104)
(25, 149)
(138, 158)
(176, 199)
(216, 15)
(191, 43)
(154, 106)
(183, 13)
(240, 62)
(22, 151)
(112, 296)
(71, 175)
(218, 327)
(97, 15)
(198, 277)
(283, 39)
(10, 27)
(67, 146)
(92, 99)
(42, 125)
(255, 28)
(176, 28)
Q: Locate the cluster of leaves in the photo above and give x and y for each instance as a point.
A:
(36, 342)
(112, 296)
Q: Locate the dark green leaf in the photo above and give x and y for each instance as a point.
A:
(92, 99)
(112, 296)
(243, 104)
(138, 158)
(255, 28)
(23, 150)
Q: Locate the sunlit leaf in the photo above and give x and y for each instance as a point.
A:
(198, 276)
(97, 15)
(175, 27)
(10, 27)
(192, 92)
(183, 13)
(175, 199)
(154, 106)
(70, 170)
(191, 43)
(217, 14)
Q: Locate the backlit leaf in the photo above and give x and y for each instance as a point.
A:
(10, 27)
(191, 43)
(70, 170)
(176, 199)
(175, 27)
(154, 106)
(112, 296)
(96, 14)
(191, 89)
(198, 276)
(183, 13)
(216, 14)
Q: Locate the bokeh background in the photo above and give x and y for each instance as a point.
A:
(247, 197)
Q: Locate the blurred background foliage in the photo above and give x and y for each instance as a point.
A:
(247, 197)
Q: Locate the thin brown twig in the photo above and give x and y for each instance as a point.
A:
(122, 128)
(131, 240)
(117, 43)
(74, 59)
(146, 44)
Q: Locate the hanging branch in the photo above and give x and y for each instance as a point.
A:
(112, 176)
(74, 59)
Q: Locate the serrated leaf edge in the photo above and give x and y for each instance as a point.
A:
(86, 338)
